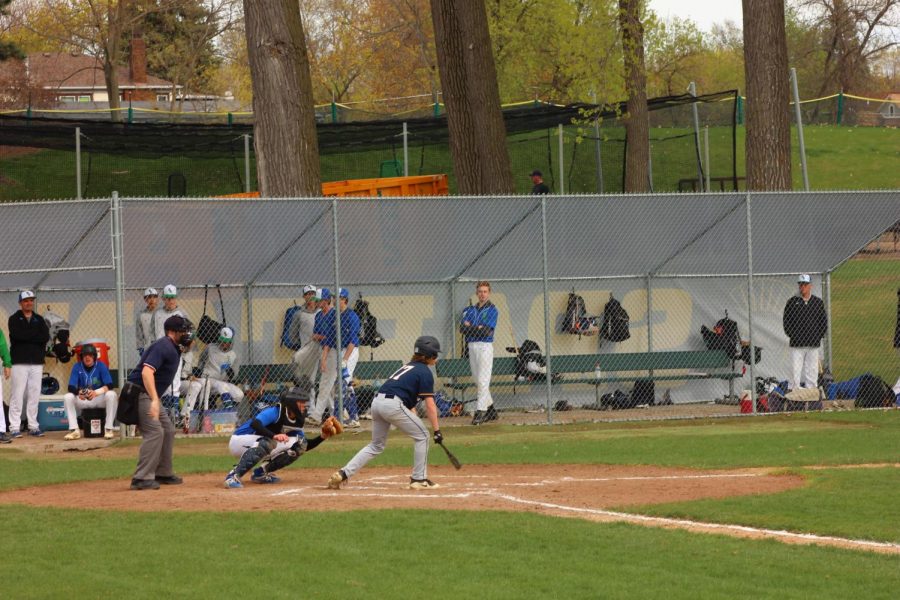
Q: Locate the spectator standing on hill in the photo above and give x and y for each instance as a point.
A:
(540, 188)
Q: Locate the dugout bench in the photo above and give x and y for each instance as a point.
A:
(700, 364)
(281, 373)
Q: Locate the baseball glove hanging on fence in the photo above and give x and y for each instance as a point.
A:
(331, 427)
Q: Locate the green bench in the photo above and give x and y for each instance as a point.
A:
(701, 364)
(283, 373)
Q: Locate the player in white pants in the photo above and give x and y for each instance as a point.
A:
(28, 337)
(217, 362)
(805, 323)
(477, 324)
(395, 405)
(349, 356)
(306, 358)
(90, 386)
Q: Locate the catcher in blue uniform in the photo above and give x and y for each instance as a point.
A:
(275, 436)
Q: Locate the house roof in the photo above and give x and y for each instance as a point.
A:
(62, 71)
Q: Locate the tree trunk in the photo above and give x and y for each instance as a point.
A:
(637, 122)
(472, 97)
(284, 131)
(112, 88)
(768, 96)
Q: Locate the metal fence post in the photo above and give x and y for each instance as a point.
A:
(246, 162)
(692, 90)
(597, 153)
(78, 163)
(750, 302)
(828, 338)
(118, 266)
(706, 154)
(562, 168)
(840, 107)
(799, 118)
(337, 306)
(546, 310)
(649, 313)
(405, 150)
(248, 298)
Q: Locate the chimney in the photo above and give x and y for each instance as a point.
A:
(138, 66)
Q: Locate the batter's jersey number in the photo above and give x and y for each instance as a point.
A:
(399, 372)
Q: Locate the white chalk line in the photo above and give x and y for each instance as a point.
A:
(685, 523)
(361, 491)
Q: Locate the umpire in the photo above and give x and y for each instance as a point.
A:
(154, 373)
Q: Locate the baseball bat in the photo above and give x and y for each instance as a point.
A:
(453, 460)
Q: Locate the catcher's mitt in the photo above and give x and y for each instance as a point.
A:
(331, 427)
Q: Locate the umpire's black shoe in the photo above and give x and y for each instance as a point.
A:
(169, 479)
(144, 484)
(479, 418)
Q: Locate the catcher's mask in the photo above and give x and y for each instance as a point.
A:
(293, 401)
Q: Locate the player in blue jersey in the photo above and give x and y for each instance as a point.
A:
(276, 435)
(394, 405)
(477, 324)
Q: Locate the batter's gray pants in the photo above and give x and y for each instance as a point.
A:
(155, 457)
(386, 412)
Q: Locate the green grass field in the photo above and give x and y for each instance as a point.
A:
(408, 553)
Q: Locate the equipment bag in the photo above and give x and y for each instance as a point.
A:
(368, 325)
(615, 322)
(873, 392)
(127, 410)
(576, 319)
(58, 346)
(208, 328)
(724, 336)
(286, 339)
(644, 392)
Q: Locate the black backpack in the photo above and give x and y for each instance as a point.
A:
(575, 313)
(724, 336)
(368, 325)
(873, 392)
(897, 328)
(615, 322)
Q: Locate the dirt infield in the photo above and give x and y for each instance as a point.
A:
(579, 491)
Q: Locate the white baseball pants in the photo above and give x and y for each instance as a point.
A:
(326, 383)
(481, 362)
(74, 406)
(238, 444)
(804, 367)
(25, 388)
(306, 363)
(208, 386)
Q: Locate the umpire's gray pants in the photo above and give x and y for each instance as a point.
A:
(155, 457)
(387, 412)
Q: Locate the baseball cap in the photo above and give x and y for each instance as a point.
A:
(226, 334)
(25, 295)
(325, 294)
(170, 291)
(536, 172)
(177, 323)
(309, 288)
(427, 346)
(150, 292)
(804, 278)
(343, 293)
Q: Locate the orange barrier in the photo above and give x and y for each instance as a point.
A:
(419, 185)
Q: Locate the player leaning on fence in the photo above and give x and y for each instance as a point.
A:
(477, 324)
(805, 323)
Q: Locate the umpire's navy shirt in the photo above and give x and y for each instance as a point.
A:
(410, 383)
(163, 357)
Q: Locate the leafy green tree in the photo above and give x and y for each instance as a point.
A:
(8, 49)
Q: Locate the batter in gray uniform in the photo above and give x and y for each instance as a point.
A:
(394, 405)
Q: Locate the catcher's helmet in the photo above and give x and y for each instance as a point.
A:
(291, 396)
(427, 346)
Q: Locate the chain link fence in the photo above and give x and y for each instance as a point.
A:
(606, 307)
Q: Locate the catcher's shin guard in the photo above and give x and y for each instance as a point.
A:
(251, 456)
(287, 457)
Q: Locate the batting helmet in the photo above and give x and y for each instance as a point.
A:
(89, 350)
(427, 346)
